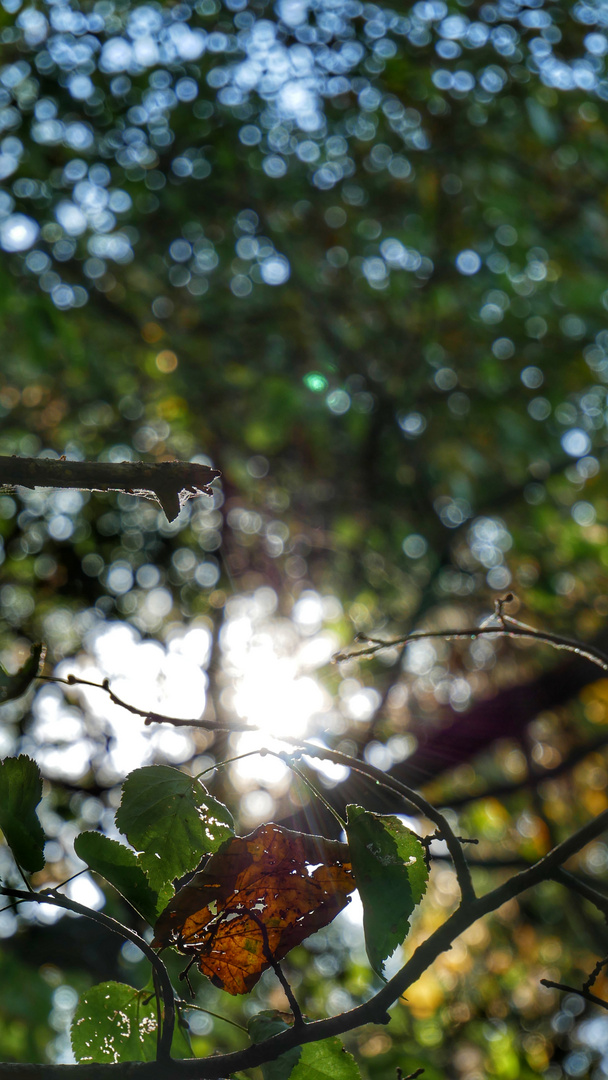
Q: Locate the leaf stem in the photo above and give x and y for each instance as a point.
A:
(185, 1005)
(309, 784)
(229, 761)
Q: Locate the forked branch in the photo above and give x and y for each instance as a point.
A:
(372, 1011)
(504, 626)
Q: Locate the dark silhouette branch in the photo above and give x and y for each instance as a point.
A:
(373, 1011)
(171, 482)
(149, 717)
(586, 994)
(583, 889)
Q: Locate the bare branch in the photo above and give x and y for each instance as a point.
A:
(583, 889)
(508, 627)
(586, 994)
(171, 482)
(149, 717)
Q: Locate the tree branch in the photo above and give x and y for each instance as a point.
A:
(372, 1011)
(508, 627)
(51, 896)
(171, 482)
(586, 994)
(576, 885)
(150, 717)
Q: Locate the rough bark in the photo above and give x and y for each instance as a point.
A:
(171, 482)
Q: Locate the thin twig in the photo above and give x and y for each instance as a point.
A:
(149, 717)
(185, 1005)
(51, 896)
(594, 974)
(586, 994)
(288, 760)
(576, 885)
(509, 627)
(275, 965)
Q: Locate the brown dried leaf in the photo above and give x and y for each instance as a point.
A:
(257, 897)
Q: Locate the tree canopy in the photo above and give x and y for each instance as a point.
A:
(352, 257)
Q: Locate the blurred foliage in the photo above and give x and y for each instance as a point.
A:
(355, 258)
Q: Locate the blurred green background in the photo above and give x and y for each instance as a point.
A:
(355, 257)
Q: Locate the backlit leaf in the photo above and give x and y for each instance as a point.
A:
(20, 793)
(114, 1022)
(266, 878)
(13, 686)
(391, 875)
(172, 820)
(120, 866)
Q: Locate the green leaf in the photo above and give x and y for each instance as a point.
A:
(13, 686)
(180, 1044)
(172, 820)
(326, 1060)
(263, 1026)
(120, 866)
(113, 1022)
(391, 875)
(20, 793)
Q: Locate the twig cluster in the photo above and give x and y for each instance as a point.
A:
(471, 906)
(375, 1010)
